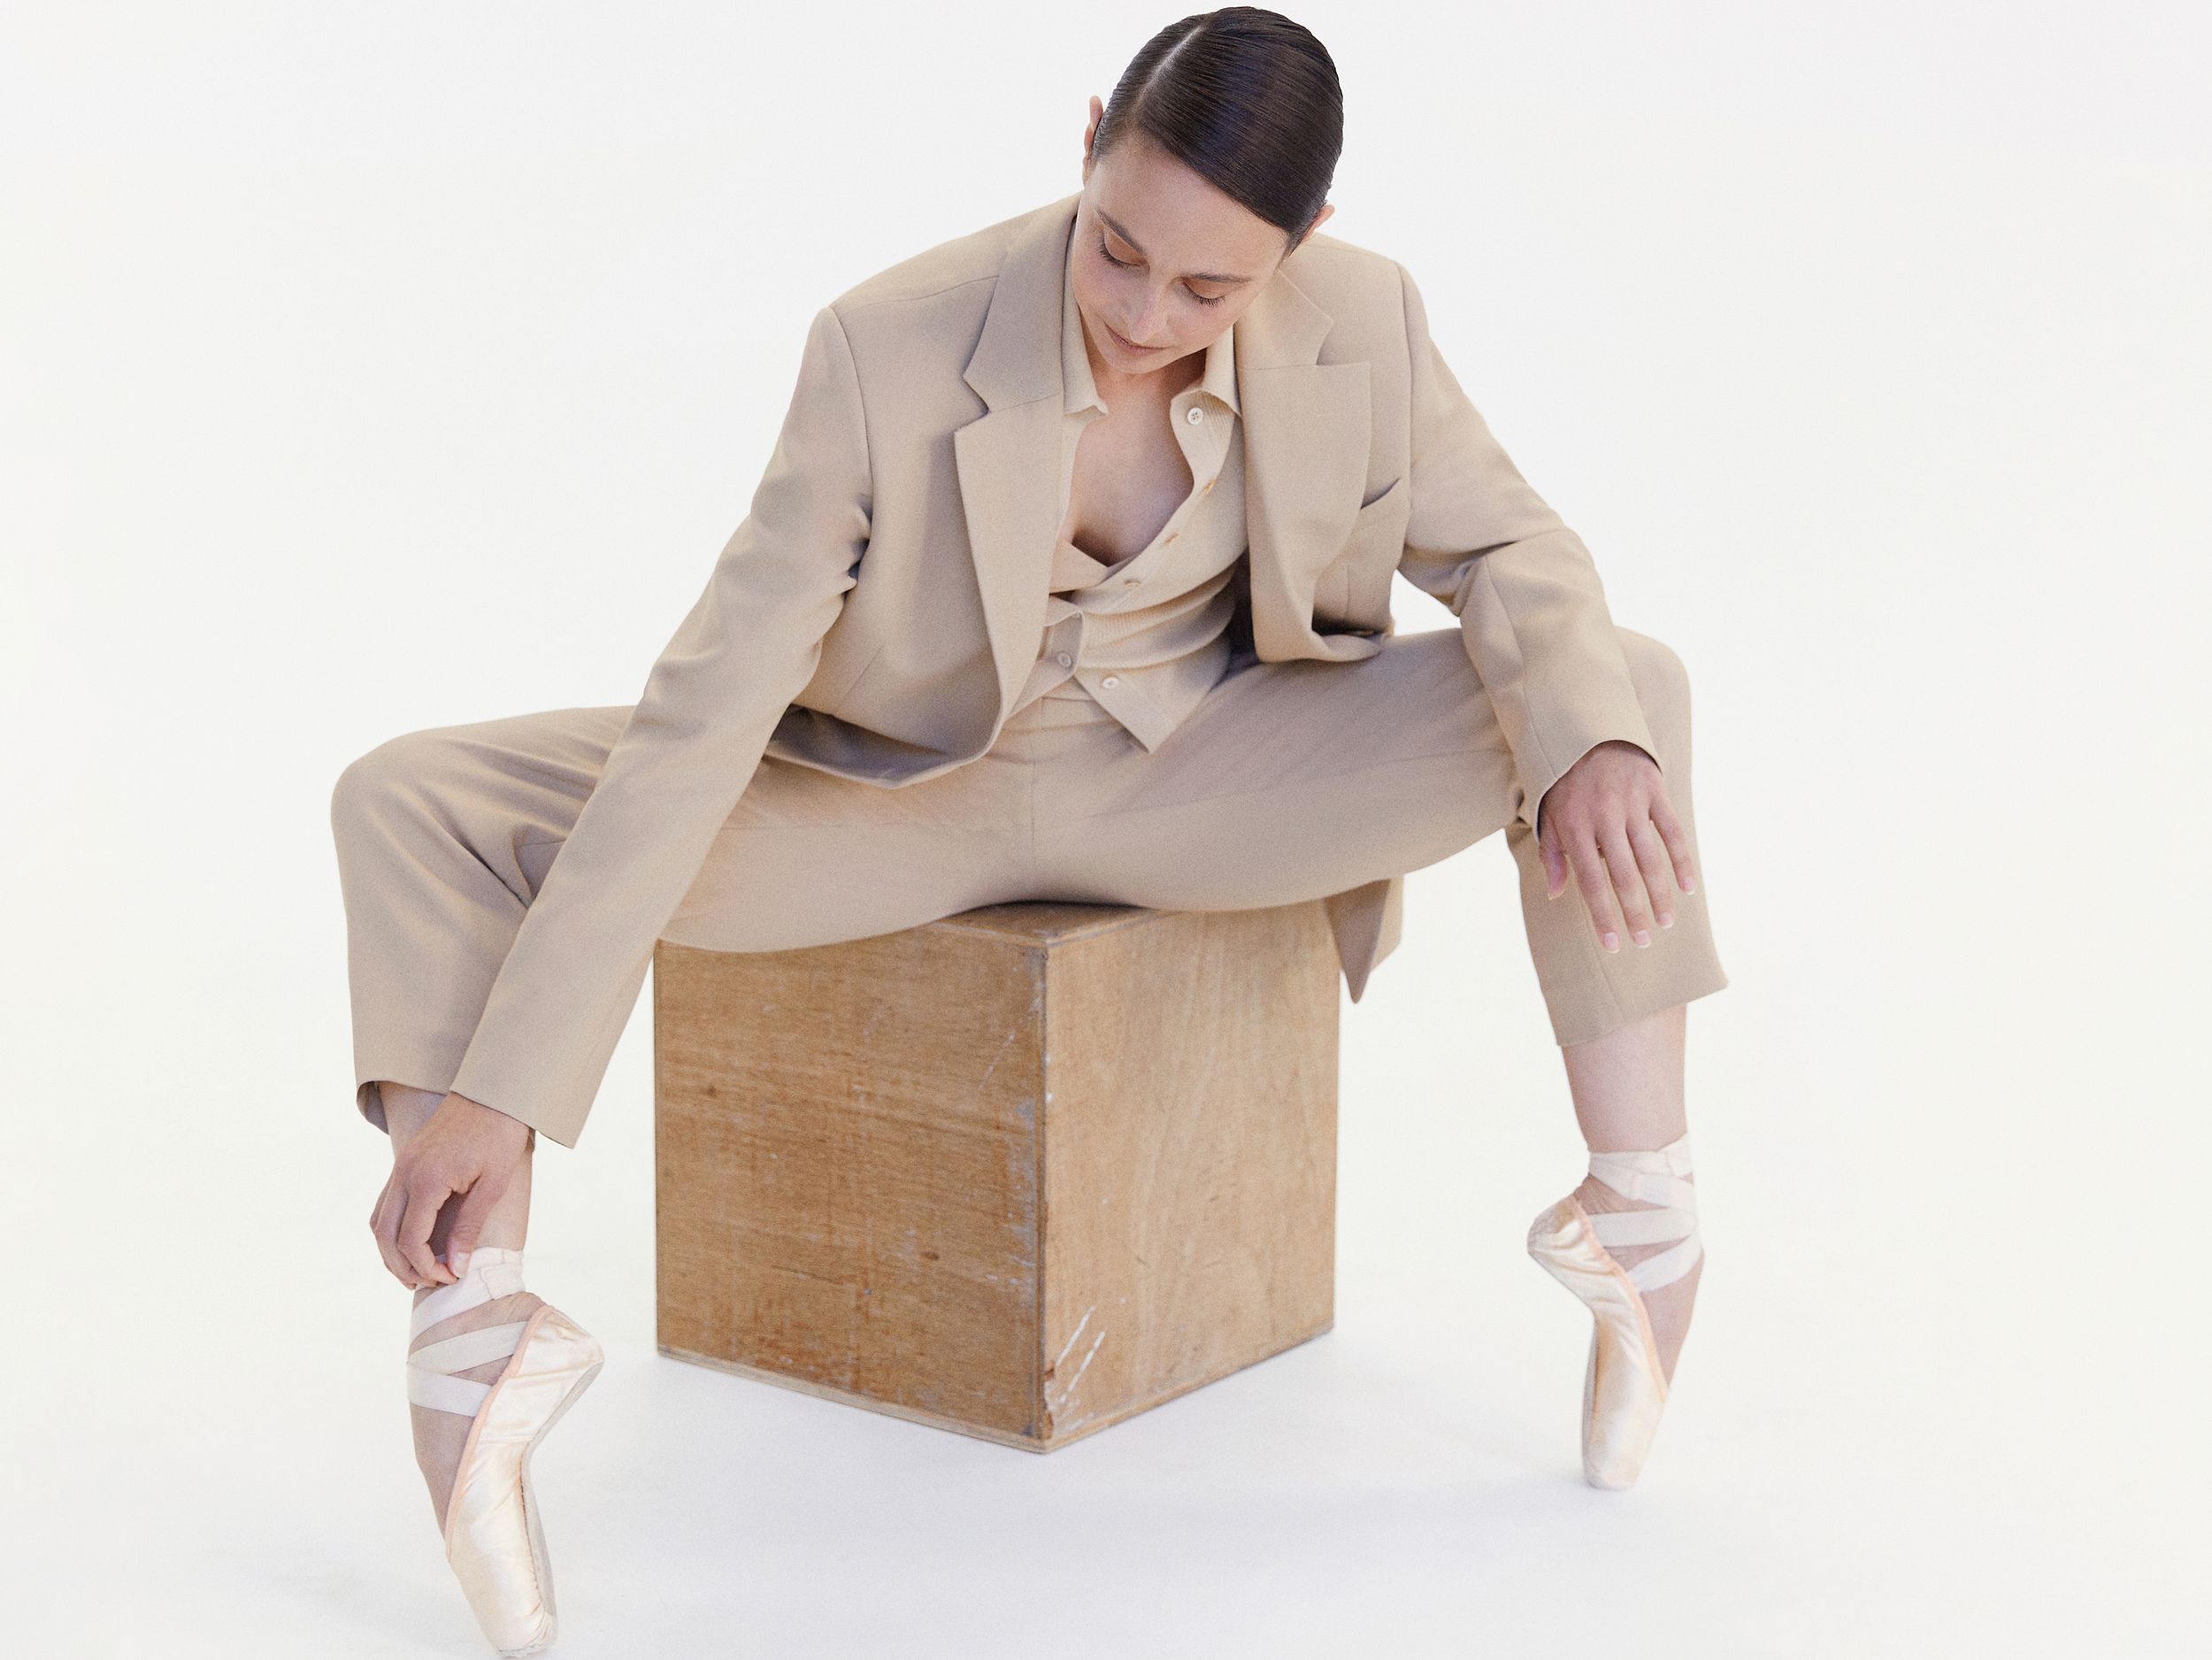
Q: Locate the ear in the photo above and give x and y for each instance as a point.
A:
(1319, 219)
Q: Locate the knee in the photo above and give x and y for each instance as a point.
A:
(1662, 682)
(394, 771)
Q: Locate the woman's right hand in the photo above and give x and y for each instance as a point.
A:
(467, 1149)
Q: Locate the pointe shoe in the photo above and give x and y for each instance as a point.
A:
(1625, 1386)
(493, 1539)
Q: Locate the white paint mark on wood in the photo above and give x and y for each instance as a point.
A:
(1068, 1392)
(1073, 1335)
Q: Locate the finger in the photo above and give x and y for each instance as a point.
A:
(1651, 860)
(426, 1190)
(384, 1223)
(1554, 861)
(1597, 890)
(469, 1217)
(1677, 840)
(1627, 879)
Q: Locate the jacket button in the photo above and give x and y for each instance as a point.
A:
(1065, 660)
(1111, 680)
(1194, 415)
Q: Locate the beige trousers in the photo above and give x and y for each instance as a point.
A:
(1289, 782)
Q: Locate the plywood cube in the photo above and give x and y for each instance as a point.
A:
(1021, 1172)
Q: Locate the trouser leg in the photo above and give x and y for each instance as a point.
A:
(1295, 780)
(1589, 991)
(443, 837)
(446, 836)
(810, 858)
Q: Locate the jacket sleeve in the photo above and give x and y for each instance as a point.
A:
(745, 649)
(1530, 605)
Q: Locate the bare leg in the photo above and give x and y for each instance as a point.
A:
(438, 1435)
(1628, 1093)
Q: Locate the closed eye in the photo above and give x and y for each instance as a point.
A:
(1130, 265)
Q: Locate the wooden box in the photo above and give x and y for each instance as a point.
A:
(1021, 1172)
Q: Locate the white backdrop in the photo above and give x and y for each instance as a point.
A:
(366, 368)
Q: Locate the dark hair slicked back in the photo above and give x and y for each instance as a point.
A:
(1248, 100)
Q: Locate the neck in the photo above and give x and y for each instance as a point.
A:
(1163, 383)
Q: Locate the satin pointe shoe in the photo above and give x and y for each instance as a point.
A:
(493, 1538)
(1624, 1384)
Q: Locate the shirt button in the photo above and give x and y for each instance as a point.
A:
(1065, 660)
(1111, 680)
(1193, 414)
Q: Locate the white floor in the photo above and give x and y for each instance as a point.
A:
(1880, 1443)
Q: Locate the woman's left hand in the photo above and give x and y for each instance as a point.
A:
(1608, 816)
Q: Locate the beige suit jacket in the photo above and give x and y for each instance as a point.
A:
(879, 608)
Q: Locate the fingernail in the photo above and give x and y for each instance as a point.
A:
(1689, 888)
(1643, 936)
(460, 1265)
(1612, 941)
(1666, 919)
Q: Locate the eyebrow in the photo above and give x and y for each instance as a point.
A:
(1121, 231)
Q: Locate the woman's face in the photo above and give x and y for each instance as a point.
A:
(1163, 262)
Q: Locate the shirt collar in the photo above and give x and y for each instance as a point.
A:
(1218, 381)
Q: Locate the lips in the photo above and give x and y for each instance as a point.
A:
(1129, 345)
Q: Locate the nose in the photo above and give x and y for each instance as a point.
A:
(1141, 324)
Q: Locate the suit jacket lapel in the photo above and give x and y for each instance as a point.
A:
(1305, 432)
